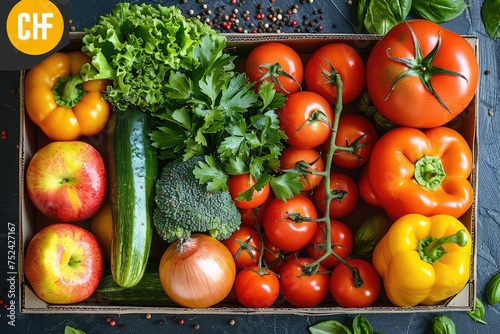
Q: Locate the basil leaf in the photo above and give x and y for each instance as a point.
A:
(440, 10)
(493, 290)
(71, 330)
(478, 312)
(490, 13)
(443, 325)
(329, 327)
(361, 13)
(361, 325)
(382, 15)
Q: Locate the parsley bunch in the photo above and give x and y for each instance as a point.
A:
(215, 112)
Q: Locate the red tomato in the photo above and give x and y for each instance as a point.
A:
(240, 183)
(344, 290)
(335, 58)
(245, 246)
(306, 119)
(275, 257)
(341, 240)
(344, 192)
(300, 289)
(275, 62)
(254, 289)
(291, 156)
(359, 133)
(284, 222)
(426, 49)
(248, 216)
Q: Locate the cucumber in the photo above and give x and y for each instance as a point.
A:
(132, 173)
(148, 292)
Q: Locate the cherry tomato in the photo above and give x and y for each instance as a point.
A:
(341, 241)
(286, 224)
(275, 257)
(275, 62)
(255, 289)
(249, 216)
(344, 290)
(241, 183)
(245, 246)
(306, 118)
(310, 159)
(359, 133)
(405, 79)
(301, 289)
(330, 59)
(344, 192)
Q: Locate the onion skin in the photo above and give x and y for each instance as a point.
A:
(197, 272)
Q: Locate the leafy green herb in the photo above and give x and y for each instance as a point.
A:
(490, 13)
(443, 325)
(440, 10)
(71, 330)
(329, 327)
(360, 325)
(369, 234)
(478, 312)
(493, 290)
(382, 15)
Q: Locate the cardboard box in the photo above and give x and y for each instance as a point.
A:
(29, 220)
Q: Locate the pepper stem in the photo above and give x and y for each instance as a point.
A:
(431, 249)
(429, 172)
(68, 90)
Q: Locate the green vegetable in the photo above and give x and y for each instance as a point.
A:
(148, 292)
(361, 325)
(443, 325)
(493, 290)
(369, 234)
(490, 13)
(184, 206)
(478, 312)
(71, 330)
(440, 10)
(132, 172)
(382, 15)
(329, 327)
(137, 46)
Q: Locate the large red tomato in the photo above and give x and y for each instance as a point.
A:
(345, 195)
(306, 119)
(421, 74)
(275, 62)
(329, 60)
(254, 288)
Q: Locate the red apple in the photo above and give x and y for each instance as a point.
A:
(66, 180)
(64, 263)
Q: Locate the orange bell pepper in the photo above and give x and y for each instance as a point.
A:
(411, 171)
(423, 260)
(60, 103)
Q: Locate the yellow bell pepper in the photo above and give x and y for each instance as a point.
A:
(423, 260)
(60, 103)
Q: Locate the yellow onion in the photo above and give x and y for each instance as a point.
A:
(197, 272)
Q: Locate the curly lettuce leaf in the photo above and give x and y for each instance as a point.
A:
(137, 46)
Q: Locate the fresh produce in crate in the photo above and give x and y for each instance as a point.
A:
(66, 180)
(132, 170)
(411, 171)
(423, 260)
(421, 75)
(60, 103)
(64, 263)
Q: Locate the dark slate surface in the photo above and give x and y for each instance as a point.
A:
(339, 17)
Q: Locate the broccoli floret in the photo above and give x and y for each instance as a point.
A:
(184, 206)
